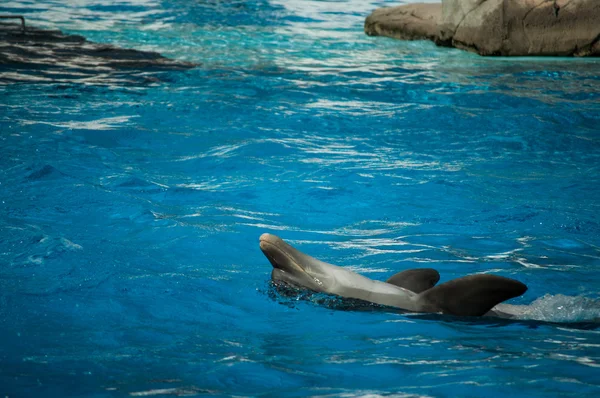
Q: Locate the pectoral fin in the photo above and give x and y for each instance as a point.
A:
(472, 295)
(416, 280)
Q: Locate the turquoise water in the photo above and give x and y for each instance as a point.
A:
(131, 206)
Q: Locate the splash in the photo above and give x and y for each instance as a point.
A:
(556, 308)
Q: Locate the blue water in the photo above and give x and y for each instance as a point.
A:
(130, 209)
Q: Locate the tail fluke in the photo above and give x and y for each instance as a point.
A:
(472, 295)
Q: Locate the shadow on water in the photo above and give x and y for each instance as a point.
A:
(491, 321)
(290, 296)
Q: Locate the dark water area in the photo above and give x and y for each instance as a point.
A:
(132, 199)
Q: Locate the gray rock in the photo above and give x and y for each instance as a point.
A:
(454, 12)
(481, 29)
(497, 27)
(408, 22)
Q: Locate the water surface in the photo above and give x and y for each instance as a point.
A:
(131, 203)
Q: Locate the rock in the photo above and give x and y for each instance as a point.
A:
(497, 27)
(408, 22)
(31, 54)
(563, 27)
(481, 29)
(454, 12)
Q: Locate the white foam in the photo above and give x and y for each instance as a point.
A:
(556, 308)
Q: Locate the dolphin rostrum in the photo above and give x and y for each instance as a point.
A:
(410, 290)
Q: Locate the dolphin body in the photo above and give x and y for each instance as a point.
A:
(411, 290)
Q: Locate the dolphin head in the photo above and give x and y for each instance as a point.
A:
(292, 266)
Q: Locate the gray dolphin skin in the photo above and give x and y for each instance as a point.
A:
(410, 290)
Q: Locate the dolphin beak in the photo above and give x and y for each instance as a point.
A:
(267, 247)
(290, 265)
(278, 254)
(264, 241)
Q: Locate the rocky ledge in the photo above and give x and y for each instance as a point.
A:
(32, 54)
(497, 27)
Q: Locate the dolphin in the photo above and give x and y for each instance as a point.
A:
(411, 290)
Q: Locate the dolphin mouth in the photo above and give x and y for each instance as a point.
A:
(275, 250)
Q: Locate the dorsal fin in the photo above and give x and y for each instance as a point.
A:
(472, 295)
(416, 280)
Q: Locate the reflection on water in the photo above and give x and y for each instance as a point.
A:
(100, 15)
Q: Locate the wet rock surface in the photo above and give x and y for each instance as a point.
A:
(497, 27)
(40, 55)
